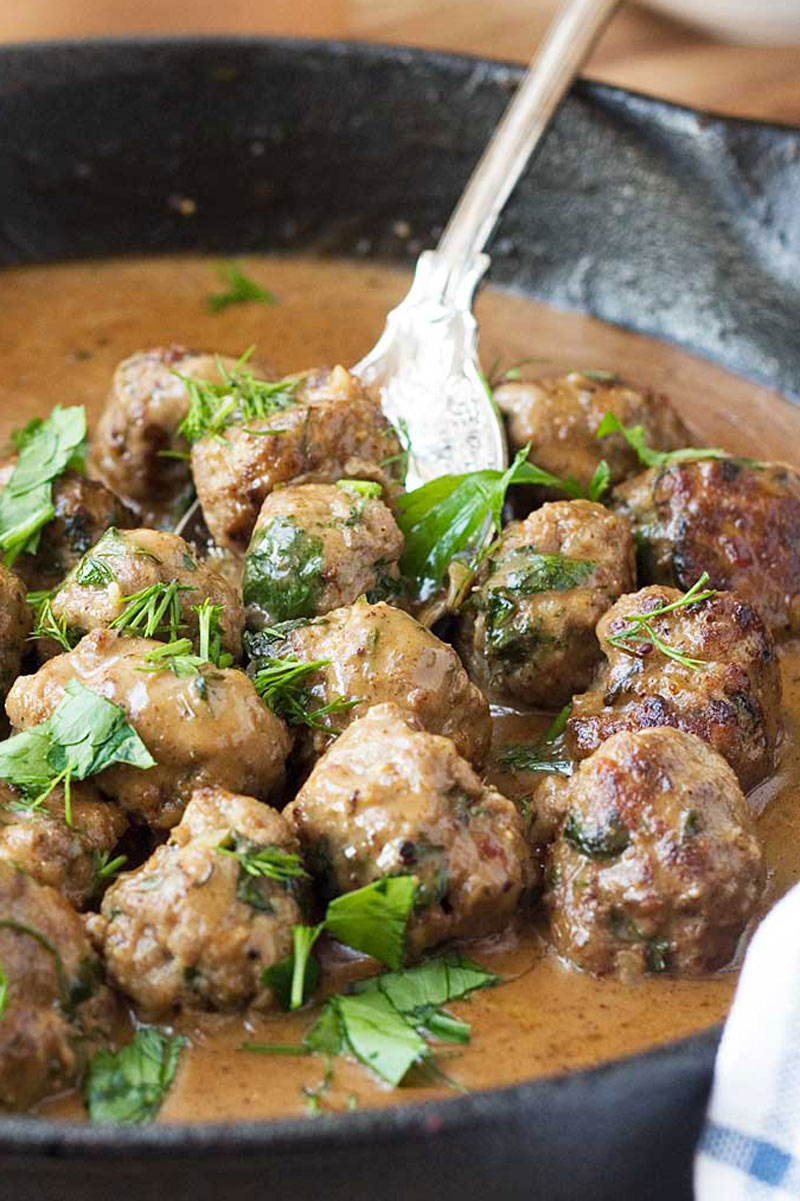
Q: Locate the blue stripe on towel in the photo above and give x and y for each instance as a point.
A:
(755, 1157)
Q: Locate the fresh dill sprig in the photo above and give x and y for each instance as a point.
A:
(46, 624)
(153, 611)
(642, 634)
(270, 862)
(281, 684)
(238, 399)
(636, 437)
(177, 657)
(210, 633)
(104, 868)
(239, 289)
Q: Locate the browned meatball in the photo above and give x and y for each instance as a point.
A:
(123, 564)
(136, 435)
(730, 697)
(192, 928)
(317, 547)
(527, 631)
(84, 509)
(735, 519)
(206, 728)
(334, 429)
(57, 1003)
(658, 867)
(389, 799)
(67, 857)
(378, 653)
(560, 418)
(16, 620)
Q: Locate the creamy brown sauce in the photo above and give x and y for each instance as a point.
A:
(63, 331)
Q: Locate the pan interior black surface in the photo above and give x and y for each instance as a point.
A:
(678, 225)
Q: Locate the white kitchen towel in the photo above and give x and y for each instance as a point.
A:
(750, 1146)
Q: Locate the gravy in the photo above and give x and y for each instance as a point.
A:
(65, 328)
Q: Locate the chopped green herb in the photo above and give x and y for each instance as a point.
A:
(546, 755)
(636, 437)
(153, 612)
(46, 449)
(177, 657)
(525, 572)
(374, 919)
(238, 399)
(94, 570)
(3, 992)
(283, 573)
(104, 868)
(598, 842)
(643, 634)
(46, 624)
(295, 978)
(429, 985)
(239, 289)
(360, 487)
(271, 862)
(210, 633)
(281, 685)
(657, 950)
(600, 482)
(130, 1085)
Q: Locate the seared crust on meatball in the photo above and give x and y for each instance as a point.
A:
(84, 509)
(735, 519)
(317, 547)
(42, 844)
(377, 653)
(208, 728)
(731, 698)
(335, 429)
(658, 867)
(560, 418)
(16, 621)
(389, 799)
(136, 435)
(527, 634)
(191, 928)
(57, 1003)
(125, 562)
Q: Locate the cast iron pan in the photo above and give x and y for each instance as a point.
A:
(658, 218)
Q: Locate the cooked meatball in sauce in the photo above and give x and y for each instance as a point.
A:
(266, 777)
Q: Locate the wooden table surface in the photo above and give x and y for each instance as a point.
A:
(639, 50)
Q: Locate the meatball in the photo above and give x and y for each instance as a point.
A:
(375, 653)
(560, 419)
(527, 630)
(57, 1003)
(16, 621)
(389, 799)
(84, 509)
(334, 428)
(136, 436)
(192, 928)
(67, 857)
(125, 563)
(317, 547)
(658, 867)
(204, 728)
(725, 686)
(735, 519)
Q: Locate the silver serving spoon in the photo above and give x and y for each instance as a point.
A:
(425, 363)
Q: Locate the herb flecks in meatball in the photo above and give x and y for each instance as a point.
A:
(207, 727)
(334, 429)
(317, 547)
(390, 799)
(733, 518)
(127, 565)
(657, 866)
(559, 419)
(707, 667)
(369, 654)
(528, 630)
(57, 1005)
(197, 925)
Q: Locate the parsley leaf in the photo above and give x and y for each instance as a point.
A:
(378, 1035)
(46, 449)
(94, 570)
(432, 984)
(130, 1085)
(546, 755)
(374, 919)
(240, 289)
(238, 399)
(636, 437)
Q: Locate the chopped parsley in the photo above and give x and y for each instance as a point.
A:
(597, 842)
(526, 572)
(546, 755)
(283, 573)
(83, 736)
(636, 437)
(238, 399)
(374, 919)
(94, 569)
(657, 950)
(642, 634)
(130, 1085)
(47, 447)
(239, 289)
(360, 487)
